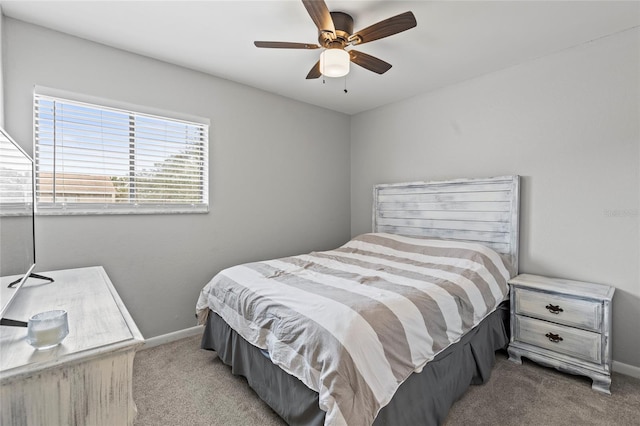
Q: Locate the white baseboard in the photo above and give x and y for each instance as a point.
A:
(171, 337)
(626, 369)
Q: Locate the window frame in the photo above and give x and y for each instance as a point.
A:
(102, 208)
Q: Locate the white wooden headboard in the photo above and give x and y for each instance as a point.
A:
(482, 211)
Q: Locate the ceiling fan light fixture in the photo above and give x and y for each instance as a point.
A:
(334, 63)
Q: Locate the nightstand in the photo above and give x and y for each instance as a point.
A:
(563, 324)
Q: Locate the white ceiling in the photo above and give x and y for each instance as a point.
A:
(454, 40)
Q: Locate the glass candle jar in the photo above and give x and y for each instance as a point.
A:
(47, 329)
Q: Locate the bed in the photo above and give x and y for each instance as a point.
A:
(390, 328)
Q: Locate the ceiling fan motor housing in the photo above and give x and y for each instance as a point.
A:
(343, 24)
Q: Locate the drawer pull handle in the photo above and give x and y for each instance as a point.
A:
(554, 309)
(555, 338)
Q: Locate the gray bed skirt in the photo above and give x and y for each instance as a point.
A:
(423, 399)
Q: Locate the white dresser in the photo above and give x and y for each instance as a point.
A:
(87, 379)
(563, 324)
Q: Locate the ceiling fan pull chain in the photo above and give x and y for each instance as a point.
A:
(322, 72)
(345, 84)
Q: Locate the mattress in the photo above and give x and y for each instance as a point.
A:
(354, 323)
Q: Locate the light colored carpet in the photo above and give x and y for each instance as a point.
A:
(180, 384)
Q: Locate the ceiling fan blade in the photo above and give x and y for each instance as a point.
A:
(386, 28)
(315, 71)
(369, 62)
(320, 15)
(285, 45)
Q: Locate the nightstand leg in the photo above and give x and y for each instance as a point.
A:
(602, 385)
(514, 356)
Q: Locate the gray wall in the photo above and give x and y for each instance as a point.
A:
(278, 186)
(1, 71)
(569, 124)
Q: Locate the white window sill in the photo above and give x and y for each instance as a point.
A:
(77, 210)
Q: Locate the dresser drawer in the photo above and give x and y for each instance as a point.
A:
(569, 341)
(560, 309)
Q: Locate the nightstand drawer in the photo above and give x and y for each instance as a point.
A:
(569, 341)
(563, 310)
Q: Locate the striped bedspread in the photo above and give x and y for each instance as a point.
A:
(353, 323)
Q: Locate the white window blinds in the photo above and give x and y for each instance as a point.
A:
(16, 179)
(96, 159)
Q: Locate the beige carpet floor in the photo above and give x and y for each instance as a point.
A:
(180, 384)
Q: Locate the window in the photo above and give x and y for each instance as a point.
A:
(97, 159)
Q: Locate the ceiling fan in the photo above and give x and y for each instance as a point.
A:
(335, 33)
